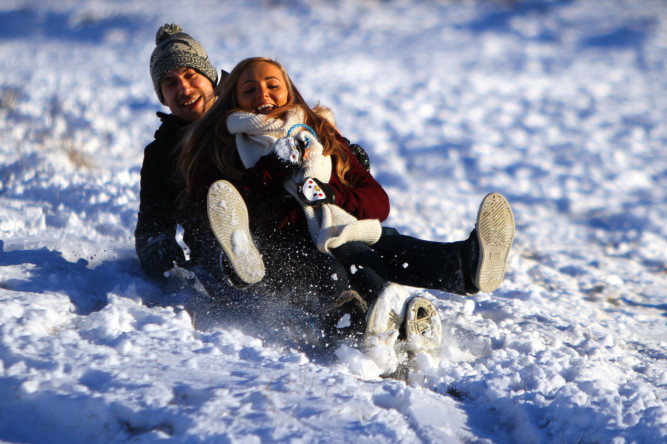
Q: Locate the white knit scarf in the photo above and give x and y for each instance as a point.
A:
(255, 133)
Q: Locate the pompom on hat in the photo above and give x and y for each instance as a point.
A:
(176, 49)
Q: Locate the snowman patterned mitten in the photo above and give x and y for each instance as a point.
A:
(314, 192)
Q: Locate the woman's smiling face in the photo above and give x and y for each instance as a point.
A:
(261, 88)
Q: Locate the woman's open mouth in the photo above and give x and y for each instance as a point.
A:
(265, 108)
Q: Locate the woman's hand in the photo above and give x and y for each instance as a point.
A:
(290, 151)
(316, 193)
(314, 164)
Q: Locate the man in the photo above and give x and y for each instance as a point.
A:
(184, 80)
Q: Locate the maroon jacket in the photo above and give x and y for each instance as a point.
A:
(272, 208)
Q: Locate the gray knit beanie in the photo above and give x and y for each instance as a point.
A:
(176, 49)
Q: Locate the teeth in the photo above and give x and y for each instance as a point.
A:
(265, 106)
(191, 101)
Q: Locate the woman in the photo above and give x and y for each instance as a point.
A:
(258, 105)
(295, 270)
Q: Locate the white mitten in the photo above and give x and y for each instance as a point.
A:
(289, 151)
(314, 163)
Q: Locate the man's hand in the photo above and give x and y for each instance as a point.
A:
(159, 254)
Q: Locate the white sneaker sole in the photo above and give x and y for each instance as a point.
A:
(229, 220)
(495, 232)
(423, 327)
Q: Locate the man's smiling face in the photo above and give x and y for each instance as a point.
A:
(187, 93)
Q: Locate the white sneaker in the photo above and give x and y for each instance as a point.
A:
(228, 216)
(495, 232)
(385, 317)
(423, 328)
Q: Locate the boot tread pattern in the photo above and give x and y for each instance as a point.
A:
(423, 327)
(229, 220)
(495, 231)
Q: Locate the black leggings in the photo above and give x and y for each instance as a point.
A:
(407, 261)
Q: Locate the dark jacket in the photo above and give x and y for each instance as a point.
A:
(159, 212)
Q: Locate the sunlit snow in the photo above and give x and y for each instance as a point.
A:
(559, 105)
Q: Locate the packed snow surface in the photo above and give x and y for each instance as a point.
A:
(559, 105)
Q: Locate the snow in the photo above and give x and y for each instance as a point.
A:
(558, 105)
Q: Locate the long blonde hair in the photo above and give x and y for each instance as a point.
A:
(209, 135)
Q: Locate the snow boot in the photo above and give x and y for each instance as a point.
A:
(385, 317)
(423, 328)
(228, 215)
(495, 234)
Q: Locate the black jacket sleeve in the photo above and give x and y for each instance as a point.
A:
(155, 234)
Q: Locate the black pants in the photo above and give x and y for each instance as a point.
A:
(407, 261)
(296, 272)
